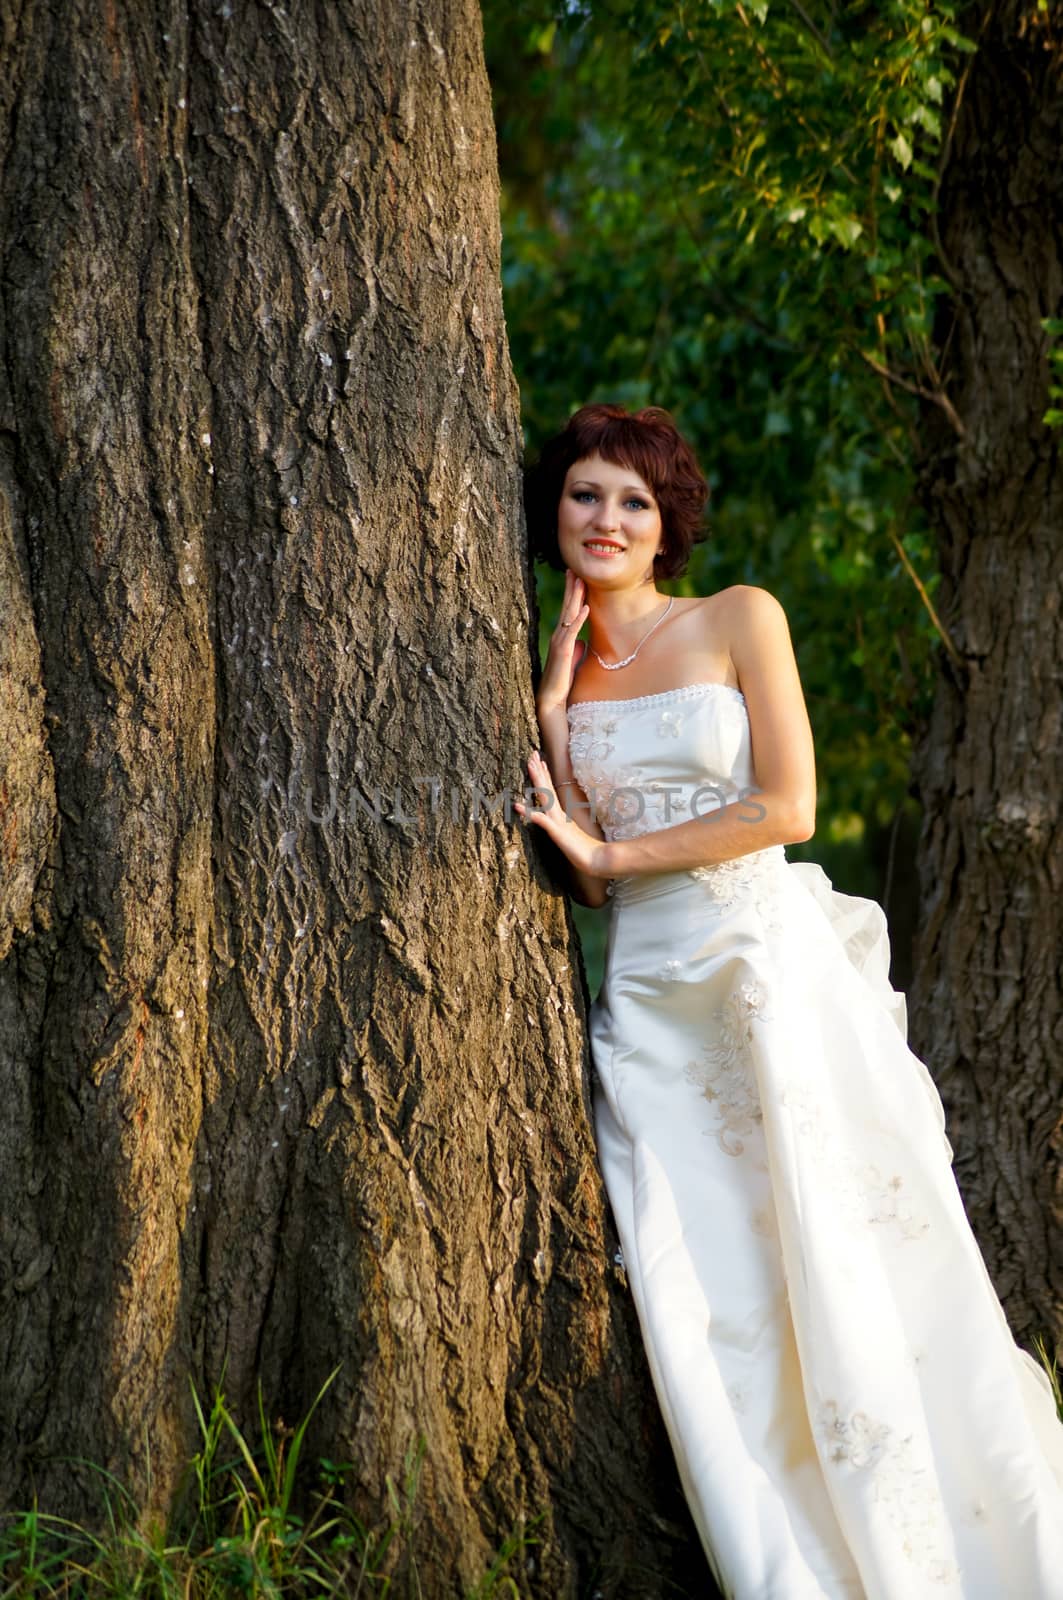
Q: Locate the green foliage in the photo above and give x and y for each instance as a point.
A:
(239, 1534)
(1052, 1372)
(727, 208)
(1053, 326)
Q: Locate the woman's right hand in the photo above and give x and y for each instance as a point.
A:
(566, 652)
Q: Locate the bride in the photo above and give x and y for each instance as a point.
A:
(849, 1411)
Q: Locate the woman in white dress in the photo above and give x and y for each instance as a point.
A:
(849, 1411)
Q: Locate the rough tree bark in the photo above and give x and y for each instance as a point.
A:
(989, 769)
(286, 1087)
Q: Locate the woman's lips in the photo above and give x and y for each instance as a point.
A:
(605, 551)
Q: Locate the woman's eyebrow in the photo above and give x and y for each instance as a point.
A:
(631, 488)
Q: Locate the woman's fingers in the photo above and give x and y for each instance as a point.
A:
(559, 667)
(542, 783)
(553, 821)
(540, 774)
(573, 616)
(581, 848)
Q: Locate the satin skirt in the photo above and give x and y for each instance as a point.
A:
(849, 1412)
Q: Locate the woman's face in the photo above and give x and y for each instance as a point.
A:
(608, 524)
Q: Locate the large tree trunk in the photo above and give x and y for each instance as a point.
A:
(286, 1087)
(990, 768)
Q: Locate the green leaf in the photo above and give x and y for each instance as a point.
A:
(541, 39)
(846, 230)
(902, 151)
(928, 119)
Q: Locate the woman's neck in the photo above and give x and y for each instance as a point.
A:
(618, 617)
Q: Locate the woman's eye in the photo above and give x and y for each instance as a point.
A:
(578, 494)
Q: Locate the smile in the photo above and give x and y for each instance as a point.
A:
(603, 547)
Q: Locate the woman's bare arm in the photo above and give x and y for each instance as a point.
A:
(563, 658)
(782, 810)
(553, 726)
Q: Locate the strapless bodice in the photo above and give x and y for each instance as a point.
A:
(659, 759)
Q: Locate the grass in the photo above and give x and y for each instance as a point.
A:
(234, 1531)
(1051, 1366)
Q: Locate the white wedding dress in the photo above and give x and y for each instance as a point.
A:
(849, 1412)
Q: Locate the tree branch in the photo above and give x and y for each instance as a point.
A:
(943, 632)
(820, 38)
(937, 397)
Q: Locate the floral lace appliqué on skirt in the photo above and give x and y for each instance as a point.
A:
(724, 1070)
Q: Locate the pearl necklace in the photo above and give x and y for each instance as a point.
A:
(611, 666)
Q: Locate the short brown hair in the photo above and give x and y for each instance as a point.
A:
(646, 441)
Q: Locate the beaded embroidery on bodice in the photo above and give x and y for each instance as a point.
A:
(660, 759)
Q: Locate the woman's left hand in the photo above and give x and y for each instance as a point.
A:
(582, 849)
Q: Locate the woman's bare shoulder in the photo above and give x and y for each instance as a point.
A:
(742, 594)
(746, 606)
